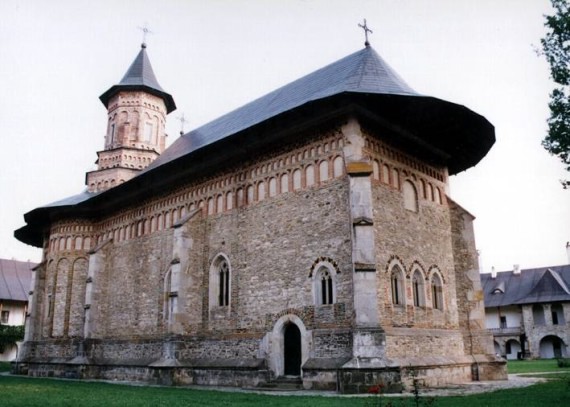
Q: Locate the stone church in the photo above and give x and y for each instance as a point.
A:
(308, 235)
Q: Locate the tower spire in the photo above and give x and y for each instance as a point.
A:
(136, 107)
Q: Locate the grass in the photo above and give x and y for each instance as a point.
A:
(30, 392)
(4, 366)
(535, 365)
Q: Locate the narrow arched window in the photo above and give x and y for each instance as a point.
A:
(436, 292)
(326, 287)
(324, 280)
(418, 289)
(224, 284)
(397, 285)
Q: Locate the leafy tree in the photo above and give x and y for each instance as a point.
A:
(556, 49)
(9, 335)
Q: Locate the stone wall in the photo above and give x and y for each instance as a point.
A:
(150, 298)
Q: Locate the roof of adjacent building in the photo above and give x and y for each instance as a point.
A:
(538, 285)
(140, 76)
(15, 279)
(361, 84)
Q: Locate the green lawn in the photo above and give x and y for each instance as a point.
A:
(538, 365)
(29, 392)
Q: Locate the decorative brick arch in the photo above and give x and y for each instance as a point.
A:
(319, 261)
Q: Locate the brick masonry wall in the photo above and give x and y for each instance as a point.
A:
(432, 239)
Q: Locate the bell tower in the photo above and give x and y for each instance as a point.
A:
(136, 119)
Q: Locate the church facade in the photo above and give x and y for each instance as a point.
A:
(307, 234)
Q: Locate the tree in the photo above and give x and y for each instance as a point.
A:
(556, 48)
(9, 335)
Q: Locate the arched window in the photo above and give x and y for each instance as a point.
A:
(224, 284)
(436, 292)
(418, 289)
(171, 283)
(324, 280)
(397, 285)
(410, 196)
(220, 283)
(326, 287)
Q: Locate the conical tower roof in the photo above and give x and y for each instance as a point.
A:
(140, 76)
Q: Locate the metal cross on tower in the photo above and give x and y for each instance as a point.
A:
(366, 31)
(145, 30)
(182, 120)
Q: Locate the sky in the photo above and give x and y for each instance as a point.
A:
(58, 57)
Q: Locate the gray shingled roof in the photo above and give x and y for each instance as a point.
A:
(539, 285)
(15, 279)
(360, 84)
(361, 72)
(140, 76)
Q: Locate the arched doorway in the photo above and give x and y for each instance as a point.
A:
(552, 347)
(292, 350)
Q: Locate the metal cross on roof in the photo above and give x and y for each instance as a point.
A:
(366, 31)
(182, 121)
(145, 30)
